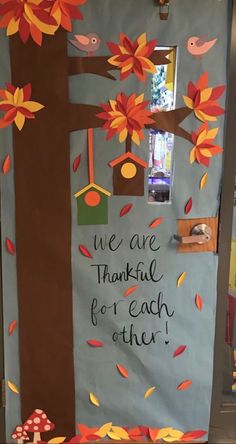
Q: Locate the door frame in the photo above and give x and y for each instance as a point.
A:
(223, 420)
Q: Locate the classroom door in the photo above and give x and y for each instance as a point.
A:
(112, 146)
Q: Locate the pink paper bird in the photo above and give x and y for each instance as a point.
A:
(89, 43)
(198, 46)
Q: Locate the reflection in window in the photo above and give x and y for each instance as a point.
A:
(161, 143)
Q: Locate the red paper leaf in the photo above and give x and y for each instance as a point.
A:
(75, 439)
(184, 385)
(95, 343)
(12, 326)
(83, 250)
(93, 437)
(156, 222)
(122, 370)
(199, 302)
(76, 163)
(195, 434)
(125, 209)
(6, 165)
(188, 206)
(179, 350)
(144, 430)
(10, 246)
(130, 290)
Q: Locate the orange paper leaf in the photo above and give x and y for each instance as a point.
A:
(153, 433)
(10, 246)
(184, 385)
(179, 350)
(122, 370)
(76, 163)
(12, 326)
(156, 222)
(126, 209)
(130, 290)
(83, 250)
(199, 302)
(6, 165)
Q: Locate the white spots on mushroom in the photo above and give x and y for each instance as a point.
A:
(47, 427)
(36, 428)
(39, 411)
(26, 427)
(36, 420)
(19, 429)
(44, 416)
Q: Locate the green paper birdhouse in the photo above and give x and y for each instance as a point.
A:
(92, 204)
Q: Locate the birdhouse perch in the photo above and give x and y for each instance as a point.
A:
(164, 8)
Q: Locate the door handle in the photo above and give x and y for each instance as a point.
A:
(200, 234)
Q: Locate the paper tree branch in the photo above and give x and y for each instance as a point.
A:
(84, 116)
(99, 65)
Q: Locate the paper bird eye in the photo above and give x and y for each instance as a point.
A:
(94, 40)
(191, 43)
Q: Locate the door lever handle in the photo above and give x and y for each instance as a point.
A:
(200, 234)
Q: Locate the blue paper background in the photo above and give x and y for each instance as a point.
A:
(95, 369)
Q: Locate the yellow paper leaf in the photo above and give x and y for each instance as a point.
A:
(201, 137)
(123, 135)
(212, 133)
(203, 181)
(19, 120)
(43, 27)
(119, 431)
(177, 434)
(94, 400)
(164, 432)
(181, 278)
(139, 99)
(169, 439)
(57, 440)
(32, 106)
(142, 39)
(13, 26)
(113, 436)
(149, 392)
(204, 117)
(206, 152)
(205, 95)
(102, 432)
(135, 137)
(13, 387)
(188, 102)
(192, 155)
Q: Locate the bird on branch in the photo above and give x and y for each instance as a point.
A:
(89, 43)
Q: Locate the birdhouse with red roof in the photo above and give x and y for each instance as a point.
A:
(128, 175)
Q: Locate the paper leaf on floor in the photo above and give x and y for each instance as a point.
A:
(119, 431)
(153, 433)
(113, 436)
(10, 246)
(13, 387)
(76, 163)
(83, 250)
(156, 222)
(181, 278)
(6, 165)
(149, 392)
(199, 302)
(95, 343)
(194, 434)
(164, 432)
(102, 432)
(57, 440)
(11, 327)
(179, 350)
(188, 206)
(130, 290)
(94, 400)
(122, 370)
(126, 209)
(184, 385)
(203, 181)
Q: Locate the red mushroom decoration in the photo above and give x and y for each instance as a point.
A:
(37, 423)
(20, 435)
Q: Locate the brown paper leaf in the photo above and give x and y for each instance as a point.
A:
(188, 206)
(179, 350)
(6, 165)
(122, 370)
(83, 250)
(199, 302)
(11, 327)
(149, 392)
(126, 209)
(184, 385)
(76, 163)
(10, 246)
(130, 290)
(156, 222)
(203, 181)
(181, 278)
